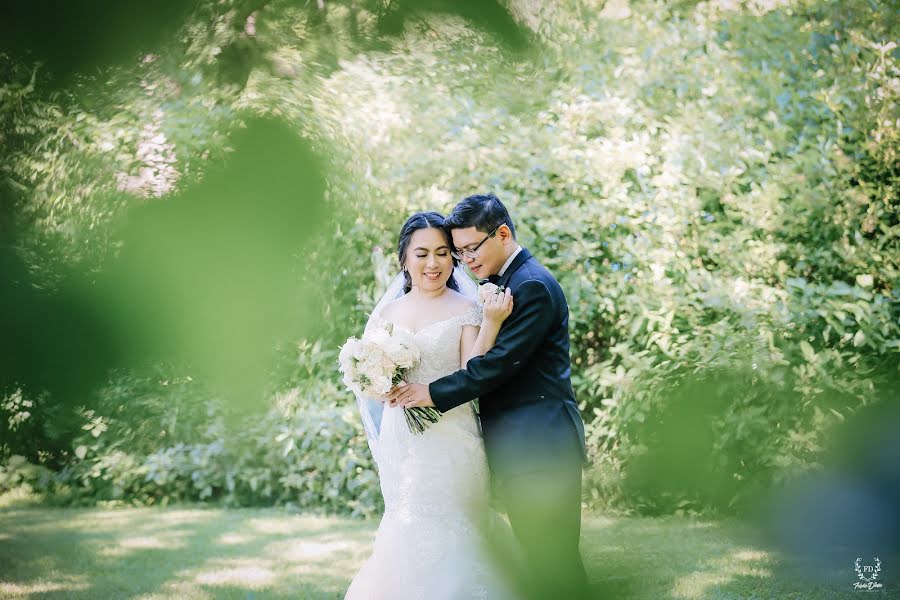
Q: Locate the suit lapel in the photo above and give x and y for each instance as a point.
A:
(517, 262)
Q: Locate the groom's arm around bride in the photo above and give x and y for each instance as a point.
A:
(533, 432)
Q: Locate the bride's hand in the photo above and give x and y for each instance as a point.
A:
(497, 307)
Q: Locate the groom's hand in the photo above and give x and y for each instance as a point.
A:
(410, 395)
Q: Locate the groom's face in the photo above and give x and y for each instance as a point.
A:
(491, 254)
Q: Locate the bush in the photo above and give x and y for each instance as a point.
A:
(158, 436)
(713, 183)
(317, 461)
(17, 473)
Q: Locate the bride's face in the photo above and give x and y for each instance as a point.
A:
(428, 259)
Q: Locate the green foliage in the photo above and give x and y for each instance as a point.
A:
(716, 192)
(17, 473)
(714, 184)
(160, 437)
(35, 428)
(317, 461)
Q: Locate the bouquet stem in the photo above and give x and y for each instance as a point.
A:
(420, 418)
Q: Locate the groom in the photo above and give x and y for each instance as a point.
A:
(533, 432)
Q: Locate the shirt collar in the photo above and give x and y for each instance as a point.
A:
(509, 261)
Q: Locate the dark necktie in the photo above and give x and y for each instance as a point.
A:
(491, 279)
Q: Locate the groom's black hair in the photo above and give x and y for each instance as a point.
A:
(484, 212)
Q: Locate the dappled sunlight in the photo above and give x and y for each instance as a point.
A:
(273, 526)
(598, 522)
(335, 555)
(373, 112)
(187, 517)
(754, 7)
(750, 555)
(144, 542)
(293, 525)
(26, 590)
(168, 541)
(696, 585)
(338, 571)
(251, 573)
(596, 158)
(149, 520)
(642, 525)
(117, 517)
(317, 550)
(324, 549)
(179, 590)
(114, 519)
(225, 554)
(335, 560)
(230, 539)
(745, 563)
(18, 497)
(180, 553)
(703, 525)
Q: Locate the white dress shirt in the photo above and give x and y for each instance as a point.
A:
(509, 261)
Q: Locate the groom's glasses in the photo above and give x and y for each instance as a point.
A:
(460, 253)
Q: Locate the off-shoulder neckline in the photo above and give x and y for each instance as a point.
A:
(432, 324)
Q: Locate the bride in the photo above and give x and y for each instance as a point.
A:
(431, 543)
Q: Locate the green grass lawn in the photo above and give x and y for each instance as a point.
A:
(188, 553)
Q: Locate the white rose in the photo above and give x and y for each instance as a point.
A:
(399, 353)
(348, 381)
(403, 337)
(351, 379)
(381, 384)
(403, 349)
(393, 348)
(404, 359)
(486, 290)
(367, 370)
(371, 366)
(361, 349)
(379, 337)
(347, 353)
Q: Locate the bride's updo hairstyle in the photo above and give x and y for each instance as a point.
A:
(422, 220)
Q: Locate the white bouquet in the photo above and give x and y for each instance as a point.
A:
(378, 361)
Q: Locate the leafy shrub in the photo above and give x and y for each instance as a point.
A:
(158, 436)
(713, 183)
(317, 460)
(16, 472)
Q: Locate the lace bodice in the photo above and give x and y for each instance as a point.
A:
(439, 343)
(407, 460)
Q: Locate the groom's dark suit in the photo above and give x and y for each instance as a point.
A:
(533, 432)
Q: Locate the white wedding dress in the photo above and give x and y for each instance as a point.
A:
(430, 543)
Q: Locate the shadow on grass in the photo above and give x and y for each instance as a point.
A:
(675, 558)
(177, 553)
(192, 553)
